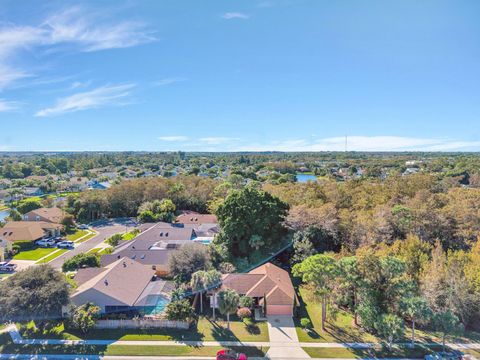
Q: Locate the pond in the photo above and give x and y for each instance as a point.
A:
(4, 214)
(303, 178)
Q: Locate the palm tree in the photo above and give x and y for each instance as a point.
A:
(415, 309)
(212, 281)
(198, 285)
(228, 303)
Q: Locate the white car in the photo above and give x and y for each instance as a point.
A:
(46, 243)
(83, 227)
(65, 245)
(6, 267)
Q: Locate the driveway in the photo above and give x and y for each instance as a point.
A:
(284, 342)
(105, 229)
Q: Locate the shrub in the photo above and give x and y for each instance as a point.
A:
(244, 312)
(246, 302)
(114, 240)
(25, 245)
(180, 310)
(15, 249)
(306, 323)
(79, 261)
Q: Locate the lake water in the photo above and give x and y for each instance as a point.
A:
(4, 214)
(303, 178)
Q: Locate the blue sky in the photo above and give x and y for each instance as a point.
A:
(240, 75)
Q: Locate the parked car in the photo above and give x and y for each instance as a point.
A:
(6, 267)
(58, 238)
(46, 243)
(227, 354)
(83, 227)
(65, 244)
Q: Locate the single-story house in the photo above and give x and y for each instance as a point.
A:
(29, 230)
(122, 286)
(153, 246)
(51, 215)
(270, 287)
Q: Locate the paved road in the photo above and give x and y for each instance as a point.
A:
(104, 229)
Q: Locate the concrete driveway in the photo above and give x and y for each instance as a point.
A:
(284, 342)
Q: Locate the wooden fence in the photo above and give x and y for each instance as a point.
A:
(141, 324)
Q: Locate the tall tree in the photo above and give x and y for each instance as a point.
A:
(249, 219)
(390, 327)
(36, 293)
(415, 308)
(213, 281)
(197, 283)
(446, 322)
(188, 259)
(349, 282)
(320, 272)
(228, 301)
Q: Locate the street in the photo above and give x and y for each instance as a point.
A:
(105, 229)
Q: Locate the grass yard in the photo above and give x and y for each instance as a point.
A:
(341, 328)
(8, 347)
(378, 353)
(52, 256)
(130, 235)
(79, 233)
(204, 331)
(34, 254)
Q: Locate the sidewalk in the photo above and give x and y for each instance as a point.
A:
(17, 339)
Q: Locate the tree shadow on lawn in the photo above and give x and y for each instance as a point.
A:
(57, 330)
(220, 333)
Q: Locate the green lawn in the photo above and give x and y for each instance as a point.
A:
(34, 254)
(130, 235)
(381, 352)
(204, 331)
(53, 256)
(341, 328)
(8, 347)
(79, 233)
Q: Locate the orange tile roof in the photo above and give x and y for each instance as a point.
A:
(267, 280)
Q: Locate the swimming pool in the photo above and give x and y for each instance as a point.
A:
(159, 307)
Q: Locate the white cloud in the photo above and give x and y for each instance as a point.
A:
(75, 28)
(235, 15)
(8, 105)
(9, 75)
(173, 138)
(80, 84)
(217, 140)
(99, 97)
(365, 143)
(168, 81)
(73, 25)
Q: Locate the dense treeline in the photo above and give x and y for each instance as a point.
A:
(125, 199)
(408, 280)
(356, 213)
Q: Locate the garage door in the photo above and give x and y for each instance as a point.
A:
(279, 310)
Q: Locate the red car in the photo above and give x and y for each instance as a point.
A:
(227, 354)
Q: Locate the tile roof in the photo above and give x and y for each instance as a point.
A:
(53, 214)
(267, 280)
(123, 280)
(26, 230)
(196, 219)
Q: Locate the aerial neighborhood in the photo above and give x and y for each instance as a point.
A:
(243, 258)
